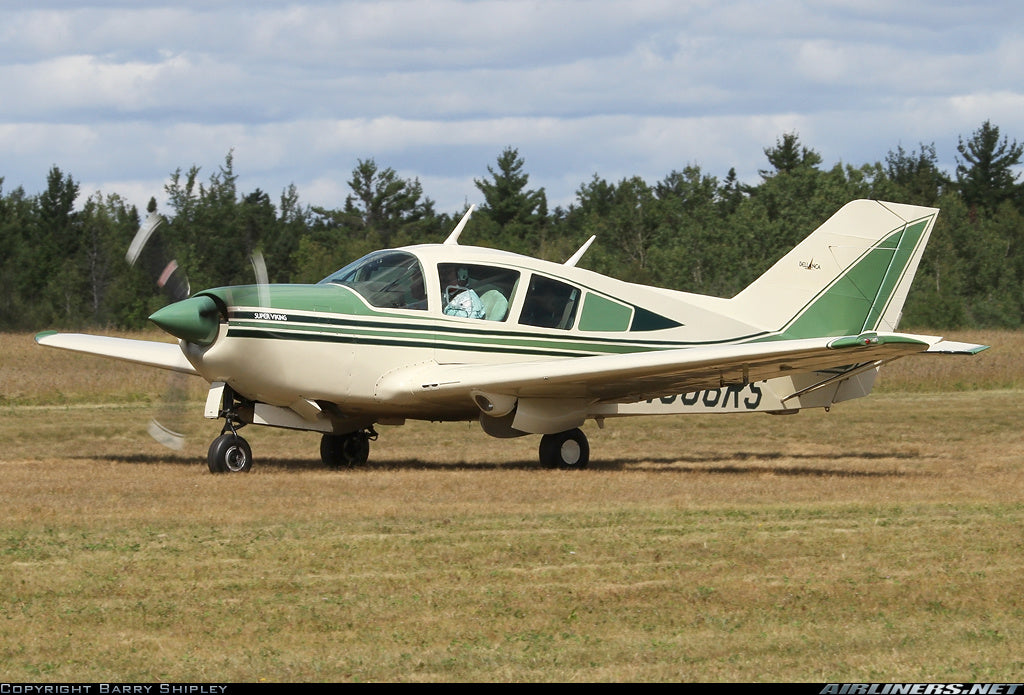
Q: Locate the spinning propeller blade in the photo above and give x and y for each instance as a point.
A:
(151, 251)
(259, 267)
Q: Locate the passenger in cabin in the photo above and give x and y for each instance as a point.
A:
(459, 299)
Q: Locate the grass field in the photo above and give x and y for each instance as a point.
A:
(883, 541)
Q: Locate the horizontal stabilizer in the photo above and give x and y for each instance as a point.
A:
(949, 347)
(145, 352)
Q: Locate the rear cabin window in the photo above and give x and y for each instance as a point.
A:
(603, 314)
(549, 304)
(476, 291)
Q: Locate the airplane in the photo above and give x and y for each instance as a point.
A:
(450, 332)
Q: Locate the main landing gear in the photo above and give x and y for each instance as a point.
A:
(342, 450)
(569, 450)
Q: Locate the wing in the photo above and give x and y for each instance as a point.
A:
(145, 352)
(638, 376)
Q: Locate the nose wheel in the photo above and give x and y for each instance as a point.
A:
(229, 453)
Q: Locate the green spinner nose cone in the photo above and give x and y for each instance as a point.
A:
(194, 320)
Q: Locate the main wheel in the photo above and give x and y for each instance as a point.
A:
(568, 450)
(229, 453)
(352, 449)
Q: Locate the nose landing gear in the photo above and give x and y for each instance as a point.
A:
(229, 453)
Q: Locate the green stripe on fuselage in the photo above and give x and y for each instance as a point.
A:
(385, 340)
(409, 329)
(429, 337)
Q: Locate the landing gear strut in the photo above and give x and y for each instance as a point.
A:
(352, 449)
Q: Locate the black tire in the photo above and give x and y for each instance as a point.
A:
(229, 453)
(341, 450)
(569, 450)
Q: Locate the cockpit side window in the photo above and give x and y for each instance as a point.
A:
(549, 304)
(386, 279)
(476, 291)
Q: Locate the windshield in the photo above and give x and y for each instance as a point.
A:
(390, 279)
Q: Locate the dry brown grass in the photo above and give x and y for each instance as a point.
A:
(996, 368)
(32, 375)
(879, 542)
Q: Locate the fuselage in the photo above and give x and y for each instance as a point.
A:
(432, 304)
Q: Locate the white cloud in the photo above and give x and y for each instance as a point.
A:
(121, 94)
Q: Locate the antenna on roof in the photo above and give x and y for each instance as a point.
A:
(579, 254)
(453, 238)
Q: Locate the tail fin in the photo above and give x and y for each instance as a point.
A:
(849, 276)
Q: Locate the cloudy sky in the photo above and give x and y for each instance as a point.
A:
(120, 93)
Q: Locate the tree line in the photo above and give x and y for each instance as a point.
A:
(63, 263)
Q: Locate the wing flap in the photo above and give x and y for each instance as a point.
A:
(145, 352)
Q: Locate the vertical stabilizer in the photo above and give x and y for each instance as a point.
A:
(849, 276)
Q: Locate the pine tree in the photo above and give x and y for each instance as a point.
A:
(916, 175)
(518, 212)
(985, 174)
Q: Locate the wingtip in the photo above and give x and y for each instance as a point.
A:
(42, 335)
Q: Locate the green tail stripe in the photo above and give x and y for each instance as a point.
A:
(856, 301)
(901, 259)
